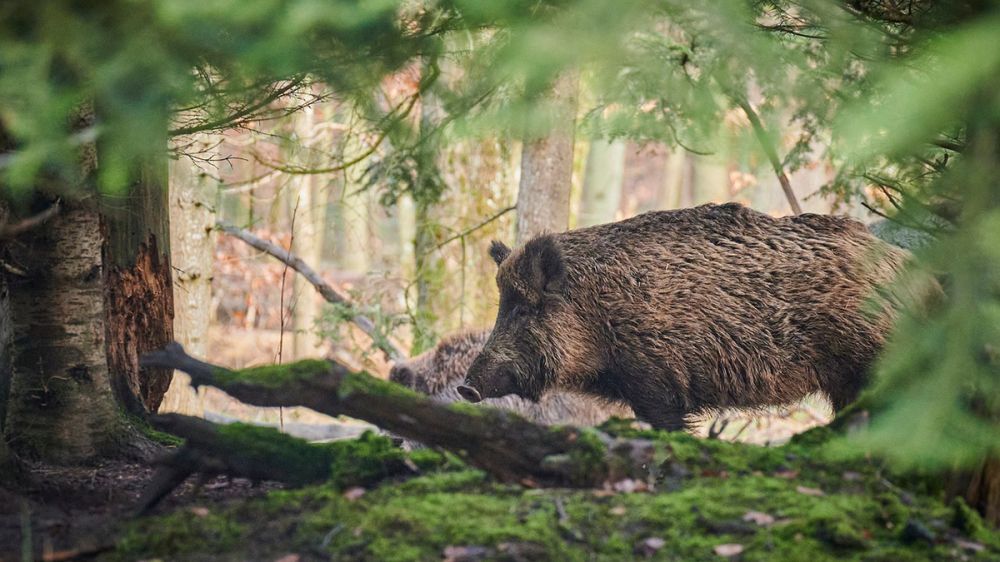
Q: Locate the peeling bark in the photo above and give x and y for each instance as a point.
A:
(138, 288)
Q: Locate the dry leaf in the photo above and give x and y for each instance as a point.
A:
(969, 546)
(467, 553)
(809, 491)
(759, 517)
(289, 558)
(729, 549)
(199, 511)
(619, 510)
(649, 547)
(354, 494)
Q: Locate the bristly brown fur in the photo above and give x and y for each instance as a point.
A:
(682, 312)
(437, 372)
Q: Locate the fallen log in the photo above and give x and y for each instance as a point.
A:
(263, 453)
(499, 442)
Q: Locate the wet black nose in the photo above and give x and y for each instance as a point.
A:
(469, 393)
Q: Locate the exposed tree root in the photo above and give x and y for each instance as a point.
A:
(501, 443)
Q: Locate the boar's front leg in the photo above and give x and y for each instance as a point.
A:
(660, 414)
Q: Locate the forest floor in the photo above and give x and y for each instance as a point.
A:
(72, 513)
(713, 500)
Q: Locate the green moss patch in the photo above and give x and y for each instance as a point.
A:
(273, 376)
(782, 503)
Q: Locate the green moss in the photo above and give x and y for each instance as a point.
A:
(820, 511)
(150, 432)
(588, 456)
(355, 462)
(364, 461)
(968, 520)
(273, 375)
(175, 535)
(367, 384)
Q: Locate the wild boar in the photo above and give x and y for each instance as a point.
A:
(680, 313)
(439, 371)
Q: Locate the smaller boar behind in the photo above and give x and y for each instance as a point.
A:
(439, 371)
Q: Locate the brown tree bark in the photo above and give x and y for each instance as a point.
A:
(138, 286)
(547, 169)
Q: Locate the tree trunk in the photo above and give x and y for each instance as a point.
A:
(307, 242)
(547, 169)
(61, 406)
(138, 289)
(602, 182)
(671, 193)
(6, 334)
(193, 196)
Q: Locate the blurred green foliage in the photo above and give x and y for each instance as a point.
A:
(902, 97)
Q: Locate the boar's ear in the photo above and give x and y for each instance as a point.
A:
(547, 271)
(499, 251)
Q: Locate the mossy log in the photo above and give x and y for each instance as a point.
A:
(501, 443)
(264, 453)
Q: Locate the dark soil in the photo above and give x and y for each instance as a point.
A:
(72, 512)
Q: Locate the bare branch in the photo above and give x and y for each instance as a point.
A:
(392, 350)
(469, 231)
(11, 230)
(767, 144)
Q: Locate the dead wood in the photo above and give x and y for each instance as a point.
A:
(501, 443)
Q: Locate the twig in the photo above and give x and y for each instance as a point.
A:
(299, 170)
(767, 143)
(281, 304)
(12, 230)
(469, 231)
(392, 351)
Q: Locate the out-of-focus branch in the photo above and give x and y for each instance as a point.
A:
(241, 114)
(469, 231)
(391, 349)
(399, 113)
(11, 230)
(768, 145)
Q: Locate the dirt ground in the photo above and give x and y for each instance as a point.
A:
(73, 513)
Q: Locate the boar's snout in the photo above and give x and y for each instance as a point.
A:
(469, 393)
(401, 374)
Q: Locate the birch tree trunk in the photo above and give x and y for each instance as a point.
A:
(547, 169)
(193, 196)
(602, 182)
(61, 405)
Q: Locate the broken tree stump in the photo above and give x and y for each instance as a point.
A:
(501, 443)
